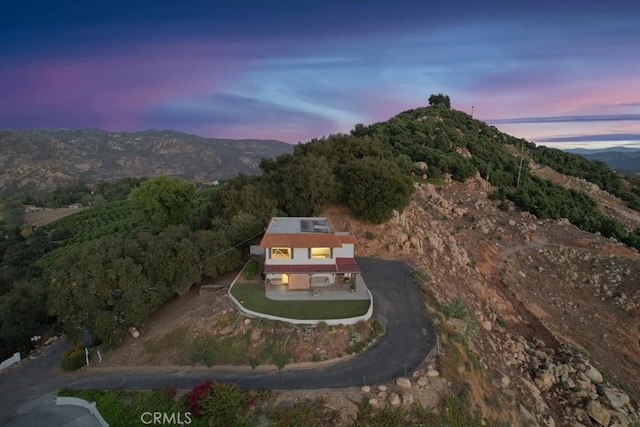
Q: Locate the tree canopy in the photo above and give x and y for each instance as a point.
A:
(163, 200)
(440, 99)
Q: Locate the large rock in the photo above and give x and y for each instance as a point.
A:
(617, 399)
(622, 418)
(505, 381)
(394, 399)
(547, 420)
(407, 399)
(594, 375)
(598, 413)
(404, 383)
(457, 326)
(544, 379)
(402, 237)
(421, 165)
(432, 373)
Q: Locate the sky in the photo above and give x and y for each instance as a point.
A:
(559, 73)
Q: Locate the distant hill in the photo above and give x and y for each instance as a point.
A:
(619, 158)
(43, 158)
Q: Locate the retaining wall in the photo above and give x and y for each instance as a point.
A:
(346, 321)
(10, 361)
(75, 401)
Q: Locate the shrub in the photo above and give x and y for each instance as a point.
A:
(419, 275)
(363, 327)
(73, 358)
(322, 326)
(456, 308)
(251, 269)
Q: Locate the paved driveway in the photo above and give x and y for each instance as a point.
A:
(397, 303)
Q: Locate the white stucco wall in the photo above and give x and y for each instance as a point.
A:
(346, 251)
(301, 257)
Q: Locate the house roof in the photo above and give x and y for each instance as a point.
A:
(303, 232)
(300, 225)
(342, 265)
(347, 265)
(347, 238)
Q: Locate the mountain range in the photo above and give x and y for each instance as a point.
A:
(39, 159)
(626, 159)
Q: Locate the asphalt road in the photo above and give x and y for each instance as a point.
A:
(398, 304)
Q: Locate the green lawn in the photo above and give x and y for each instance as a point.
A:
(254, 299)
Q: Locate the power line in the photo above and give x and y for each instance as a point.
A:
(232, 247)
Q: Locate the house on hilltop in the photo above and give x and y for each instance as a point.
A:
(307, 253)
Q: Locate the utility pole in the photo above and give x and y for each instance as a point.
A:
(472, 111)
(486, 178)
(520, 168)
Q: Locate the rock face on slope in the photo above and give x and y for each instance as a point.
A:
(557, 309)
(44, 159)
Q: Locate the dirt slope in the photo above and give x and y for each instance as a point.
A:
(555, 304)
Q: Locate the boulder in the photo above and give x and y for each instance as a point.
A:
(594, 375)
(547, 420)
(402, 237)
(457, 326)
(373, 401)
(422, 381)
(421, 165)
(505, 381)
(622, 418)
(544, 379)
(407, 399)
(432, 373)
(486, 325)
(616, 398)
(394, 399)
(598, 413)
(382, 387)
(403, 383)
(365, 389)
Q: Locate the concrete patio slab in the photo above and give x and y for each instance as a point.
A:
(335, 292)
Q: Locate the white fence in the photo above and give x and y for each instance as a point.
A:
(74, 401)
(10, 361)
(347, 321)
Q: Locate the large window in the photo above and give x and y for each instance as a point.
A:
(320, 253)
(280, 253)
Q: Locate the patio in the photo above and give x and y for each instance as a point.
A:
(340, 290)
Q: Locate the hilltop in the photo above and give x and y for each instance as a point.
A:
(527, 257)
(42, 159)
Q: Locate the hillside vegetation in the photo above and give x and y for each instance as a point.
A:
(109, 267)
(42, 159)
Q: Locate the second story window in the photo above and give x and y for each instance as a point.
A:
(280, 253)
(320, 253)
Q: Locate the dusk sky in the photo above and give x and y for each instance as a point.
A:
(553, 72)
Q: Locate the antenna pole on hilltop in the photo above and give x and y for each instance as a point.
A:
(472, 111)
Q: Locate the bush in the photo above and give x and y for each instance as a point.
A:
(73, 358)
(251, 269)
(456, 308)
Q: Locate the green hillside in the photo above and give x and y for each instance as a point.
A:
(109, 267)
